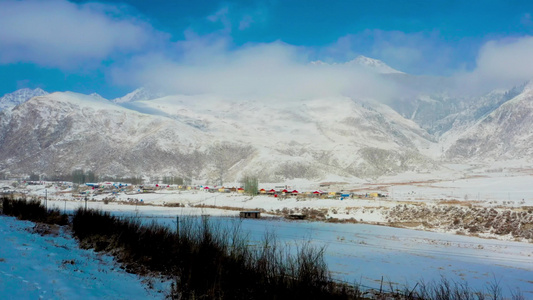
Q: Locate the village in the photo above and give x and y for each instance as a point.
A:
(236, 199)
(114, 188)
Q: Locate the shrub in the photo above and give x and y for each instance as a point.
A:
(32, 210)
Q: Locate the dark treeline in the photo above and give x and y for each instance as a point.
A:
(80, 176)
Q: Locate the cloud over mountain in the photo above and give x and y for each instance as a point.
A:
(213, 66)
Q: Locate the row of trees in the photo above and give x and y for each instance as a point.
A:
(172, 180)
(250, 185)
(80, 176)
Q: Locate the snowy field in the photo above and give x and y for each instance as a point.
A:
(53, 267)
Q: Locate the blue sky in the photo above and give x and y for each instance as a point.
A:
(111, 47)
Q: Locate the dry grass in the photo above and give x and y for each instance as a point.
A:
(468, 203)
(405, 224)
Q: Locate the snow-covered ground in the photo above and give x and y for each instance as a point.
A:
(52, 266)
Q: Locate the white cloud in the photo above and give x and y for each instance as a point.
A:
(212, 66)
(61, 34)
(500, 64)
(414, 53)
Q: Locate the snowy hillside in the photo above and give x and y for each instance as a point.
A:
(440, 113)
(61, 131)
(19, 96)
(211, 138)
(504, 134)
(303, 138)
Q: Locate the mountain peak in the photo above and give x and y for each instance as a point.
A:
(375, 64)
(97, 96)
(139, 94)
(17, 97)
(364, 62)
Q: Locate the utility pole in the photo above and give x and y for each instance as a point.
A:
(45, 199)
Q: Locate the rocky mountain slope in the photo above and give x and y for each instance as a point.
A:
(438, 113)
(506, 133)
(11, 100)
(57, 133)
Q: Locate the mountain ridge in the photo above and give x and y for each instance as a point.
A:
(216, 139)
(20, 96)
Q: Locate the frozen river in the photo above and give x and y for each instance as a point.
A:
(359, 253)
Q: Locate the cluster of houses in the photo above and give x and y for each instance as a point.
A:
(284, 191)
(295, 193)
(278, 191)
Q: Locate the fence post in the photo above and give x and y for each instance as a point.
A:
(178, 225)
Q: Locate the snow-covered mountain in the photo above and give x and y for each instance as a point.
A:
(139, 95)
(210, 138)
(219, 139)
(17, 97)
